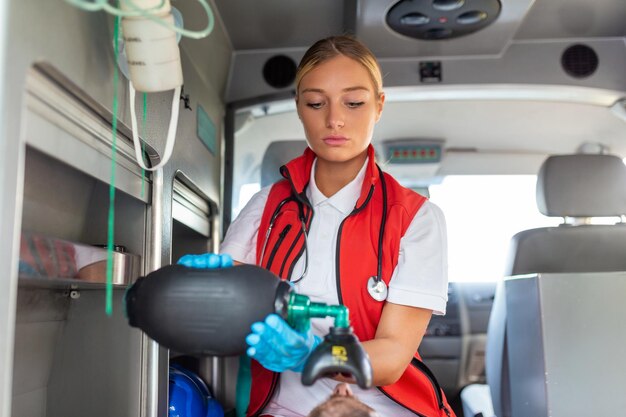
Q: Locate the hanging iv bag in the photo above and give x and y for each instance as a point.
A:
(151, 48)
(151, 51)
(154, 65)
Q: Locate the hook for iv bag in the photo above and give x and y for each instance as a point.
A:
(185, 98)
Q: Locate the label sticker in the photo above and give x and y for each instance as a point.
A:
(205, 130)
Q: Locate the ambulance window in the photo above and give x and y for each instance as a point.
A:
(482, 213)
(246, 191)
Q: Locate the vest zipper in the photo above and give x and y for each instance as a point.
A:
(281, 237)
(421, 366)
(433, 381)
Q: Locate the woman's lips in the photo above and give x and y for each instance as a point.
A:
(335, 140)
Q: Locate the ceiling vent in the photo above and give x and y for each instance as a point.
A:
(579, 61)
(441, 19)
(279, 71)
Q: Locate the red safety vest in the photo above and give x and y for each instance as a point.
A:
(287, 207)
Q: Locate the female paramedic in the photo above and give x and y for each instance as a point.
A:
(343, 232)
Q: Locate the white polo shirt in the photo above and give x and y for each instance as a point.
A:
(420, 279)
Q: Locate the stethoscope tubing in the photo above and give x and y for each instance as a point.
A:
(381, 234)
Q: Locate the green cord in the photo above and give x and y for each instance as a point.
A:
(111, 219)
(143, 144)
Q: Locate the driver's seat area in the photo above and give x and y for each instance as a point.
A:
(576, 187)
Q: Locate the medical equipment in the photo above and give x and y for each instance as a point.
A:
(152, 64)
(278, 346)
(153, 58)
(304, 233)
(376, 287)
(189, 396)
(210, 311)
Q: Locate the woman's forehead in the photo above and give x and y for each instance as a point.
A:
(339, 71)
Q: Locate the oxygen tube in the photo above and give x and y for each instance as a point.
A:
(153, 65)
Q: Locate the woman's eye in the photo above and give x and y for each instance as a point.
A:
(314, 105)
(355, 104)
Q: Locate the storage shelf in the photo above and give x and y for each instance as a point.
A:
(50, 262)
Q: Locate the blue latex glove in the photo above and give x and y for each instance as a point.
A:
(278, 347)
(207, 260)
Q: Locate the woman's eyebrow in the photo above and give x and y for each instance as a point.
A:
(358, 87)
(312, 90)
(321, 91)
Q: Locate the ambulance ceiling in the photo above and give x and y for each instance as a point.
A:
(272, 24)
(505, 88)
(523, 42)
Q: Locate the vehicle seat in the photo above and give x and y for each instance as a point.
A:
(278, 154)
(575, 187)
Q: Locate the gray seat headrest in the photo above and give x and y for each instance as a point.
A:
(278, 154)
(582, 185)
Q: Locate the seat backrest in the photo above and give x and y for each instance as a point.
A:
(278, 154)
(569, 186)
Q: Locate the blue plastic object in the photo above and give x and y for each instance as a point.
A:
(279, 347)
(189, 396)
(207, 260)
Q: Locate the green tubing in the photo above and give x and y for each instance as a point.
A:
(111, 216)
(300, 310)
(244, 384)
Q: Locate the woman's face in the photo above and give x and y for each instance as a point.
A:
(338, 105)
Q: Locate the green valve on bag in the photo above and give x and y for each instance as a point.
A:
(301, 310)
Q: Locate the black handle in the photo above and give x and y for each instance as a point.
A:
(342, 352)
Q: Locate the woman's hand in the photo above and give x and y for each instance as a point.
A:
(278, 347)
(207, 261)
(398, 336)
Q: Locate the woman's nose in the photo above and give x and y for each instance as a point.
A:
(334, 117)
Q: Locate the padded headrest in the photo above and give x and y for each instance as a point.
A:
(582, 185)
(277, 155)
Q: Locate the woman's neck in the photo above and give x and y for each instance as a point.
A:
(331, 177)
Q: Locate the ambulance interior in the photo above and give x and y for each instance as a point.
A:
(479, 95)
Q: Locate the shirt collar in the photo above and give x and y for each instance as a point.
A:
(343, 200)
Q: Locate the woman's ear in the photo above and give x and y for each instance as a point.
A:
(380, 103)
(298, 108)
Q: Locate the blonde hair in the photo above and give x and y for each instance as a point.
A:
(333, 46)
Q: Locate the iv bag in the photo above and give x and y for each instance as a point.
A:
(151, 48)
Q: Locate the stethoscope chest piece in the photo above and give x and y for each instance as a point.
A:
(377, 289)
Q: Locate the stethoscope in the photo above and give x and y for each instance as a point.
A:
(304, 233)
(376, 287)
